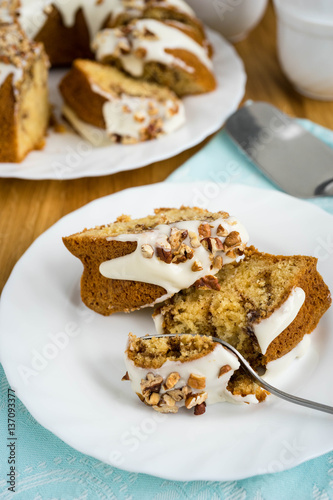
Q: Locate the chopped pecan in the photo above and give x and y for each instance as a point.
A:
(224, 369)
(126, 376)
(232, 240)
(224, 215)
(200, 409)
(147, 251)
(196, 381)
(140, 52)
(176, 394)
(209, 282)
(167, 400)
(153, 398)
(164, 254)
(166, 409)
(139, 117)
(196, 266)
(221, 231)
(171, 380)
(212, 244)
(195, 399)
(204, 230)
(194, 239)
(184, 253)
(176, 238)
(151, 384)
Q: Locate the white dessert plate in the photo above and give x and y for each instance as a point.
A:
(68, 156)
(65, 362)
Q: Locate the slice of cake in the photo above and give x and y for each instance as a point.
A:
(24, 107)
(101, 99)
(134, 263)
(161, 52)
(186, 371)
(265, 306)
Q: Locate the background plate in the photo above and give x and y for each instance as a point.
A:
(66, 362)
(68, 156)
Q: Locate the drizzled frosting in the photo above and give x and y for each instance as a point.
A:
(33, 13)
(206, 366)
(269, 329)
(175, 276)
(150, 39)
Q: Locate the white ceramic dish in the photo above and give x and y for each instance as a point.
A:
(66, 362)
(67, 156)
(234, 19)
(305, 45)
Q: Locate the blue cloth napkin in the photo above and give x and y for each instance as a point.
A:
(49, 469)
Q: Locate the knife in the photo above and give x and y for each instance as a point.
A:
(283, 150)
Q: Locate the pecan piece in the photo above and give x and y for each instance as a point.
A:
(176, 394)
(209, 282)
(212, 244)
(126, 376)
(153, 398)
(221, 231)
(204, 230)
(140, 52)
(171, 380)
(196, 266)
(200, 409)
(184, 253)
(194, 239)
(218, 262)
(151, 384)
(224, 369)
(196, 381)
(177, 237)
(195, 399)
(166, 409)
(147, 251)
(232, 240)
(164, 254)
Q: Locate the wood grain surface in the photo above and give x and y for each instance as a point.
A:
(28, 208)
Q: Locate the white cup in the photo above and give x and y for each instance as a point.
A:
(305, 45)
(232, 18)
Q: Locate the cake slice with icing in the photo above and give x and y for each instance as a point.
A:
(186, 371)
(265, 306)
(24, 107)
(168, 53)
(102, 104)
(135, 263)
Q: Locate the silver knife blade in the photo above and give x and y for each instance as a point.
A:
(293, 158)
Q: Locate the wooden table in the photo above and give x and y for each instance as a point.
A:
(28, 208)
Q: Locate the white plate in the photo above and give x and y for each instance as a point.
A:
(67, 156)
(78, 394)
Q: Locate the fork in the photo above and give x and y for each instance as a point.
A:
(257, 378)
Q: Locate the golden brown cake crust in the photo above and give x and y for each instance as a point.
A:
(8, 143)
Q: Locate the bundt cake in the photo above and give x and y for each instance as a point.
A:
(24, 108)
(167, 53)
(265, 306)
(135, 263)
(186, 371)
(126, 111)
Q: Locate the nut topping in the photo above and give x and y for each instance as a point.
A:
(212, 244)
(196, 266)
(209, 282)
(166, 409)
(221, 231)
(196, 381)
(224, 369)
(195, 399)
(232, 240)
(151, 384)
(204, 230)
(200, 409)
(153, 398)
(195, 242)
(184, 253)
(218, 262)
(171, 380)
(167, 400)
(164, 254)
(140, 52)
(126, 376)
(176, 237)
(147, 251)
(176, 394)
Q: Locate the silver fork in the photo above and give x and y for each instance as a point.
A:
(259, 380)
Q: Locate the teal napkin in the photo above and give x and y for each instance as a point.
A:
(49, 469)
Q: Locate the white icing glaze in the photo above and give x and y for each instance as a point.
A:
(125, 123)
(278, 366)
(8, 69)
(167, 37)
(207, 366)
(268, 329)
(172, 277)
(33, 13)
